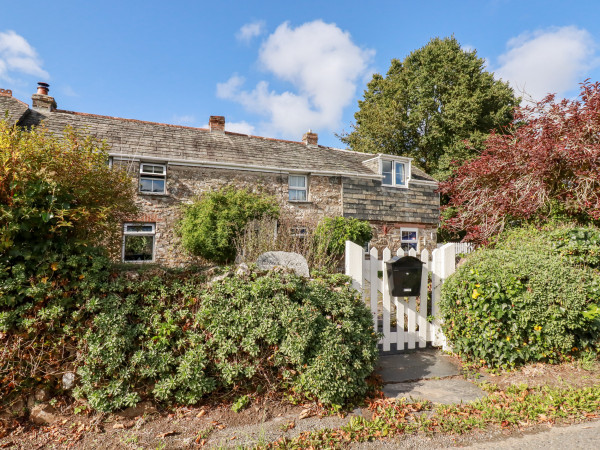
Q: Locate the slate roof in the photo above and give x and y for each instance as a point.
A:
(136, 138)
(15, 108)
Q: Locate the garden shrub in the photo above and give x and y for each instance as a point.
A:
(580, 245)
(333, 232)
(176, 341)
(59, 203)
(528, 298)
(212, 223)
(57, 192)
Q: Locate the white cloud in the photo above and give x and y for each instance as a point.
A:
(323, 66)
(250, 31)
(548, 61)
(242, 127)
(16, 55)
(68, 91)
(187, 120)
(230, 88)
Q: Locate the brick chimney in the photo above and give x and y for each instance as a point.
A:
(310, 138)
(41, 101)
(6, 92)
(216, 124)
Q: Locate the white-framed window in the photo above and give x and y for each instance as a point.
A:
(299, 232)
(298, 188)
(138, 242)
(409, 238)
(153, 178)
(299, 235)
(394, 173)
(367, 247)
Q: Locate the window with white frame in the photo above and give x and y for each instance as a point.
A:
(299, 232)
(298, 188)
(153, 178)
(367, 247)
(394, 173)
(409, 238)
(138, 242)
(299, 235)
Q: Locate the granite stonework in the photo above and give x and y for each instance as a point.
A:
(340, 182)
(186, 183)
(325, 199)
(387, 234)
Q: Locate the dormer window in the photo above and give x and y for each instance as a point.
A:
(394, 173)
(153, 178)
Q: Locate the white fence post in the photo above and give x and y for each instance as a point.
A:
(443, 265)
(399, 303)
(375, 286)
(354, 264)
(386, 303)
(424, 299)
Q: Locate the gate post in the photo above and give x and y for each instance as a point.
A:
(443, 265)
(354, 261)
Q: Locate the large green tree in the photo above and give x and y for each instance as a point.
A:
(429, 105)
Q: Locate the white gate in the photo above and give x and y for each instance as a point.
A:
(405, 322)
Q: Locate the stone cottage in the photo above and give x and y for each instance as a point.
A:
(172, 164)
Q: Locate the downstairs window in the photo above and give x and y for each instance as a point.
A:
(138, 242)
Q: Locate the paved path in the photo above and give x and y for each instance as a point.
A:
(426, 374)
(431, 375)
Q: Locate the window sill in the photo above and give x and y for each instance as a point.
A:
(138, 262)
(299, 202)
(394, 186)
(154, 194)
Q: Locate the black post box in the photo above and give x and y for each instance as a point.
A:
(404, 276)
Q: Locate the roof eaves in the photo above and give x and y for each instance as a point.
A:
(190, 162)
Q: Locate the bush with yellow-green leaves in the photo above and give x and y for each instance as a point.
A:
(534, 295)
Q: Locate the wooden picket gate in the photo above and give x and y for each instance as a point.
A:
(405, 322)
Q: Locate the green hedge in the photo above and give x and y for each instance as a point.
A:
(529, 298)
(176, 341)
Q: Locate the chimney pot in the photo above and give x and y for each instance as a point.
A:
(43, 88)
(217, 124)
(41, 101)
(310, 138)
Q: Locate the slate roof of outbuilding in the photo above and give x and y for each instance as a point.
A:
(140, 139)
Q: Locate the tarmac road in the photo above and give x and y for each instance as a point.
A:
(580, 436)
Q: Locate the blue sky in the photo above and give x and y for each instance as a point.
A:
(275, 68)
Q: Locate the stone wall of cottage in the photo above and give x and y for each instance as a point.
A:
(389, 210)
(185, 182)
